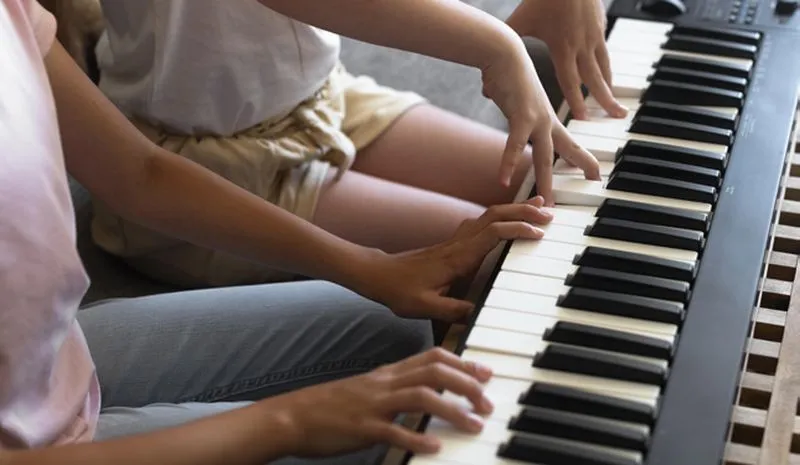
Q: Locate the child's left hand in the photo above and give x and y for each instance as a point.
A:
(574, 31)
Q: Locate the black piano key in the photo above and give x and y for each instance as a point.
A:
(594, 337)
(702, 78)
(708, 46)
(681, 130)
(574, 400)
(704, 64)
(666, 152)
(654, 214)
(542, 450)
(662, 187)
(669, 169)
(591, 362)
(552, 423)
(688, 113)
(662, 90)
(733, 35)
(629, 283)
(630, 262)
(631, 306)
(643, 233)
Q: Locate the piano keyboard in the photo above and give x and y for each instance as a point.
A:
(584, 329)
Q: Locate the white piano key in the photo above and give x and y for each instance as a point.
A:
(495, 433)
(521, 368)
(575, 236)
(596, 111)
(528, 344)
(628, 86)
(544, 317)
(528, 283)
(570, 190)
(563, 168)
(463, 451)
(578, 218)
(617, 130)
(499, 313)
(653, 27)
(508, 407)
(546, 267)
(556, 247)
(651, 53)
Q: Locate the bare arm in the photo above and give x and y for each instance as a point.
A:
(160, 190)
(447, 29)
(252, 435)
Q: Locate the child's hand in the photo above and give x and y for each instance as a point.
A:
(414, 284)
(355, 413)
(574, 31)
(512, 83)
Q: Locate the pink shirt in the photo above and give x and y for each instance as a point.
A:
(49, 393)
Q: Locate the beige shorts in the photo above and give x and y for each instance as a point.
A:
(284, 160)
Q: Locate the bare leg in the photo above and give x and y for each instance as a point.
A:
(387, 215)
(434, 149)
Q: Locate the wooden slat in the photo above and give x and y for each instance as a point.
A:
(749, 416)
(772, 317)
(741, 454)
(783, 405)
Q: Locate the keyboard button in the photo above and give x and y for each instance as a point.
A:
(698, 115)
(630, 231)
(707, 46)
(681, 130)
(636, 263)
(662, 187)
(578, 401)
(668, 169)
(701, 78)
(704, 65)
(582, 428)
(662, 90)
(713, 160)
(594, 337)
(732, 35)
(629, 284)
(590, 362)
(630, 306)
(541, 450)
(654, 214)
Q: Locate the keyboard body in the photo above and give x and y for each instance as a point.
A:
(523, 320)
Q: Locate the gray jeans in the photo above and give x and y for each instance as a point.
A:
(169, 359)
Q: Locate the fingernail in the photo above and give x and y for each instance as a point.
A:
(475, 422)
(432, 443)
(486, 404)
(483, 371)
(539, 233)
(547, 213)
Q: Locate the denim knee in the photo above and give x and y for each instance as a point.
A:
(400, 338)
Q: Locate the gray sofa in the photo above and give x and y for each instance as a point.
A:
(453, 87)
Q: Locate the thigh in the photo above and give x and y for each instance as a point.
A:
(241, 343)
(388, 215)
(434, 149)
(118, 422)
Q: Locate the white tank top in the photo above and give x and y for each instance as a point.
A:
(209, 66)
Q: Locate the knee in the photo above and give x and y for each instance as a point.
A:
(394, 338)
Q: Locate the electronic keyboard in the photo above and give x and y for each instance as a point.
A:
(618, 338)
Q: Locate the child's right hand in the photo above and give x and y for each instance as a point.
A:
(355, 413)
(510, 80)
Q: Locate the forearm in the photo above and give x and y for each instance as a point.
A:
(447, 29)
(252, 435)
(167, 193)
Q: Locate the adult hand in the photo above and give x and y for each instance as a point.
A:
(510, 80)
(413, 284)
(355, 413)
(574, 31)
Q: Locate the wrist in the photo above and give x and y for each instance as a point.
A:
(280, 429)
